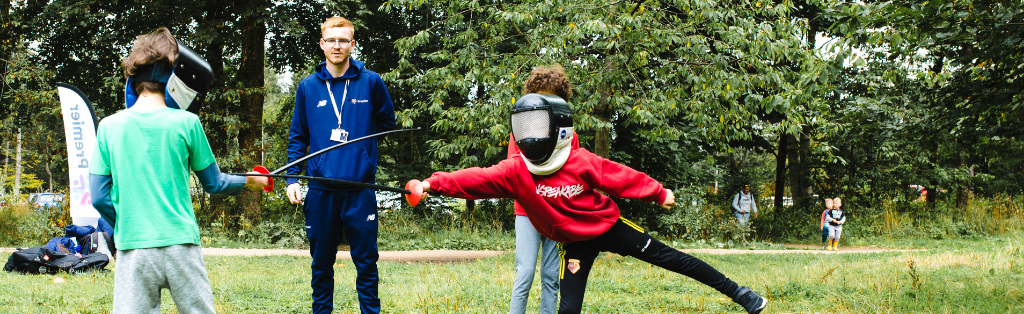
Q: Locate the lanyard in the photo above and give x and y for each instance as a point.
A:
(337, 111)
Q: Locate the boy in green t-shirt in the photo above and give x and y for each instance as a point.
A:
(140, 179)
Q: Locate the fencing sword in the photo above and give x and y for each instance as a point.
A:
(411, 195)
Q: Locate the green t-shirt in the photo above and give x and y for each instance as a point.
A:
(149, 155)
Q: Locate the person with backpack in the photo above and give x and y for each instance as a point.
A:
(743, 204)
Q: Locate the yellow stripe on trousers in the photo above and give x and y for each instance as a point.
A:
(632, 224)
(561, 261)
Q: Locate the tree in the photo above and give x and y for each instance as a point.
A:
(969, 69)
(83, 41)
(698, 74)
(653, 73)
(253, 89)
(31, 116)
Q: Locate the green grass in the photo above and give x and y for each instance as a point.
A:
(973, 275)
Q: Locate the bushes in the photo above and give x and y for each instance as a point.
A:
(897, 218)
(789, 224)
(894, 218)
(450, 227)
(692, 222)
(448, 224)
(23, 226)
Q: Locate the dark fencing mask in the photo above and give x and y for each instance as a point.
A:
(188, 81)
(541, 124)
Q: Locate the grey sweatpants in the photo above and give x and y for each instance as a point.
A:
(834, 232)
(140, 274)
(528, 242)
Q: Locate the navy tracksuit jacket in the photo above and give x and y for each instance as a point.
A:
(332, 210)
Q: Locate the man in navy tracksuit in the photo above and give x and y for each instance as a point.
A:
(341, 101)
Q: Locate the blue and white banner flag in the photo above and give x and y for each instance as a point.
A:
(80, 131)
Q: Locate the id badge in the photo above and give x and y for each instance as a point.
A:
(339, 135)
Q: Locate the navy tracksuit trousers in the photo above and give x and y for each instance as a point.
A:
(329, 216)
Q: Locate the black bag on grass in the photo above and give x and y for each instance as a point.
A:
(94, 261)
(41, 260)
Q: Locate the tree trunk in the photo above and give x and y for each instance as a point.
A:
(17, 167)
(216, 129)
(812, 29)
(798, 183)
(738, 160)
(963, 190)
(251, 75)
(49, 174)
(7, 35)
(795, 168)
(603, 113)
(930, 196)
(805, 156)
(3, 175)
(780, 171)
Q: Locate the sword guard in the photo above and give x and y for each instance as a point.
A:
(263, 170)
(417, 192)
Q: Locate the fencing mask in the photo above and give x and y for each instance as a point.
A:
(542, 129)
(188, 81)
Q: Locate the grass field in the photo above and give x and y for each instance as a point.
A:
(976, 275)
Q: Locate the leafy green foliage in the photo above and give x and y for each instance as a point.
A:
(950, 88)
(692, 70)
(695, 93)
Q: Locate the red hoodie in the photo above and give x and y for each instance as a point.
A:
(564, 205)
(513, 150)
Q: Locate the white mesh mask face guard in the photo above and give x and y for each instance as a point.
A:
(534, 124)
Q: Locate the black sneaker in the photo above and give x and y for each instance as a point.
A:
(750, 300)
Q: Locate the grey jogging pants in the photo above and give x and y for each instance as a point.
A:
(140, 274)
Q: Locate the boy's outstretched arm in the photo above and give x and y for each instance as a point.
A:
(474, 183)
(216, 182)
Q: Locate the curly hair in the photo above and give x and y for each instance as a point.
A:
(158, 47)
(549, 78)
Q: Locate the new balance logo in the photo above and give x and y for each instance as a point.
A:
(321, 103)
(371, 217)
(567, 191)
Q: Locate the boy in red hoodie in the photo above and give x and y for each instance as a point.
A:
(556, 183)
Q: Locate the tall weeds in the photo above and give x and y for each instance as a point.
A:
(23, 226)
(992, 215)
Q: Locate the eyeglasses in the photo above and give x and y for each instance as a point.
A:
(336, 42)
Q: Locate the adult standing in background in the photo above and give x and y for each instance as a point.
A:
(340, 101)
(743, 204)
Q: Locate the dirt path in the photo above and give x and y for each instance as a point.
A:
(436, 256)
(429, 256)
(798, 249)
